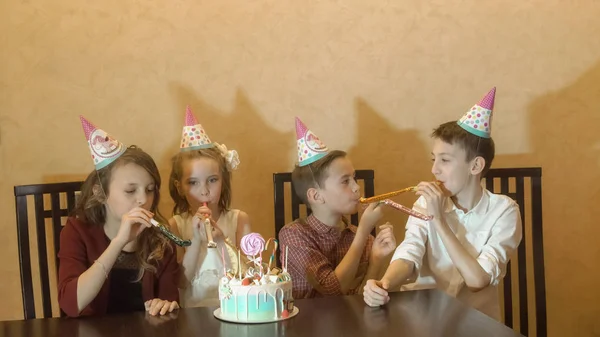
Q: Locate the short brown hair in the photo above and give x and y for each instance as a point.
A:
(181, 204)
(473, 145)
(90, 207)
(313, 175)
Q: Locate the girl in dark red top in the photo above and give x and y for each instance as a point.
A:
(111, 259)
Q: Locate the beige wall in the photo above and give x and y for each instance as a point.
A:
(359, 73)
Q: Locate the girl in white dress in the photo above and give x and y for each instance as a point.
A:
(200, 185)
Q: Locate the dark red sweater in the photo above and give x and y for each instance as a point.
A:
(80, 245)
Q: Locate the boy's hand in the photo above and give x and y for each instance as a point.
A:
(369, 217)
(434, 196)
(375, 293)
(384, 243)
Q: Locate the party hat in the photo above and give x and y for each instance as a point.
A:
(193, 136)
(310, 147)
(104, 148)
(478, 120)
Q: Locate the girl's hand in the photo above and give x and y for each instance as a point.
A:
(204, 211)
(198, 225)
(158, 306)
(132, 224)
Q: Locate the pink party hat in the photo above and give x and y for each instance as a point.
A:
(478, 120)
(193, 136)
(310, 147)
(104, 148)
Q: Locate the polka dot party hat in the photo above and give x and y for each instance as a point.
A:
(193, 136)
(104, 148)
(310, 147)
(478, 120)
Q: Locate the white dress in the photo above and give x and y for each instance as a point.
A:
(203, 290)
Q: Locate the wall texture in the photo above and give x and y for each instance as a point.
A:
(369, 77)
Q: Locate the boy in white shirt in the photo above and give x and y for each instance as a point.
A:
(464, 249)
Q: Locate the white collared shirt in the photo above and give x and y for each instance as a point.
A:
(491, 232)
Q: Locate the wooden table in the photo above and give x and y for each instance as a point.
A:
(414, 313)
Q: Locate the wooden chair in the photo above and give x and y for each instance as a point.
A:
(55, 212)
(279, 181)
(533, 189)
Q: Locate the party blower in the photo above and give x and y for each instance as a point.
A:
(209, 228)
(165, 231)
(384, 199)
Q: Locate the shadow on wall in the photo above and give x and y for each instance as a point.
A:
(400, 158)
(565, 135)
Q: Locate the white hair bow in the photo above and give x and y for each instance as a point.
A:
(231, 156)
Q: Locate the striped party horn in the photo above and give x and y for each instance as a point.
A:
(272, 257)
(382, 197)
(407, 210)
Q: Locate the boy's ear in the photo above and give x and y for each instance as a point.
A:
(477, 165)
(313, 196)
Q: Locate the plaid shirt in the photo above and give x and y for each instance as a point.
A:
(315, 250)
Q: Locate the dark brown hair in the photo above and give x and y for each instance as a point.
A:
(181, 204)
(313, 175)
(90, 207)
(473, 145)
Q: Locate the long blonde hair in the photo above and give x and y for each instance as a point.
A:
(181, 204)
(91, 209)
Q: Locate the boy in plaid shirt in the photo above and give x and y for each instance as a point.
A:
(327, 255)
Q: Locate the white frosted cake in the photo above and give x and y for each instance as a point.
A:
(254, 296)
(262, 300)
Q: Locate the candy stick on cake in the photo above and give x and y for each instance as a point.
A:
(239, 264)
(272, 257)
(286, 259)
(285, 276)
(223, 260)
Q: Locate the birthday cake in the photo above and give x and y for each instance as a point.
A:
(257, 291)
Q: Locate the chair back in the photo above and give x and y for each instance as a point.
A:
(48, 211)
(524, 185)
